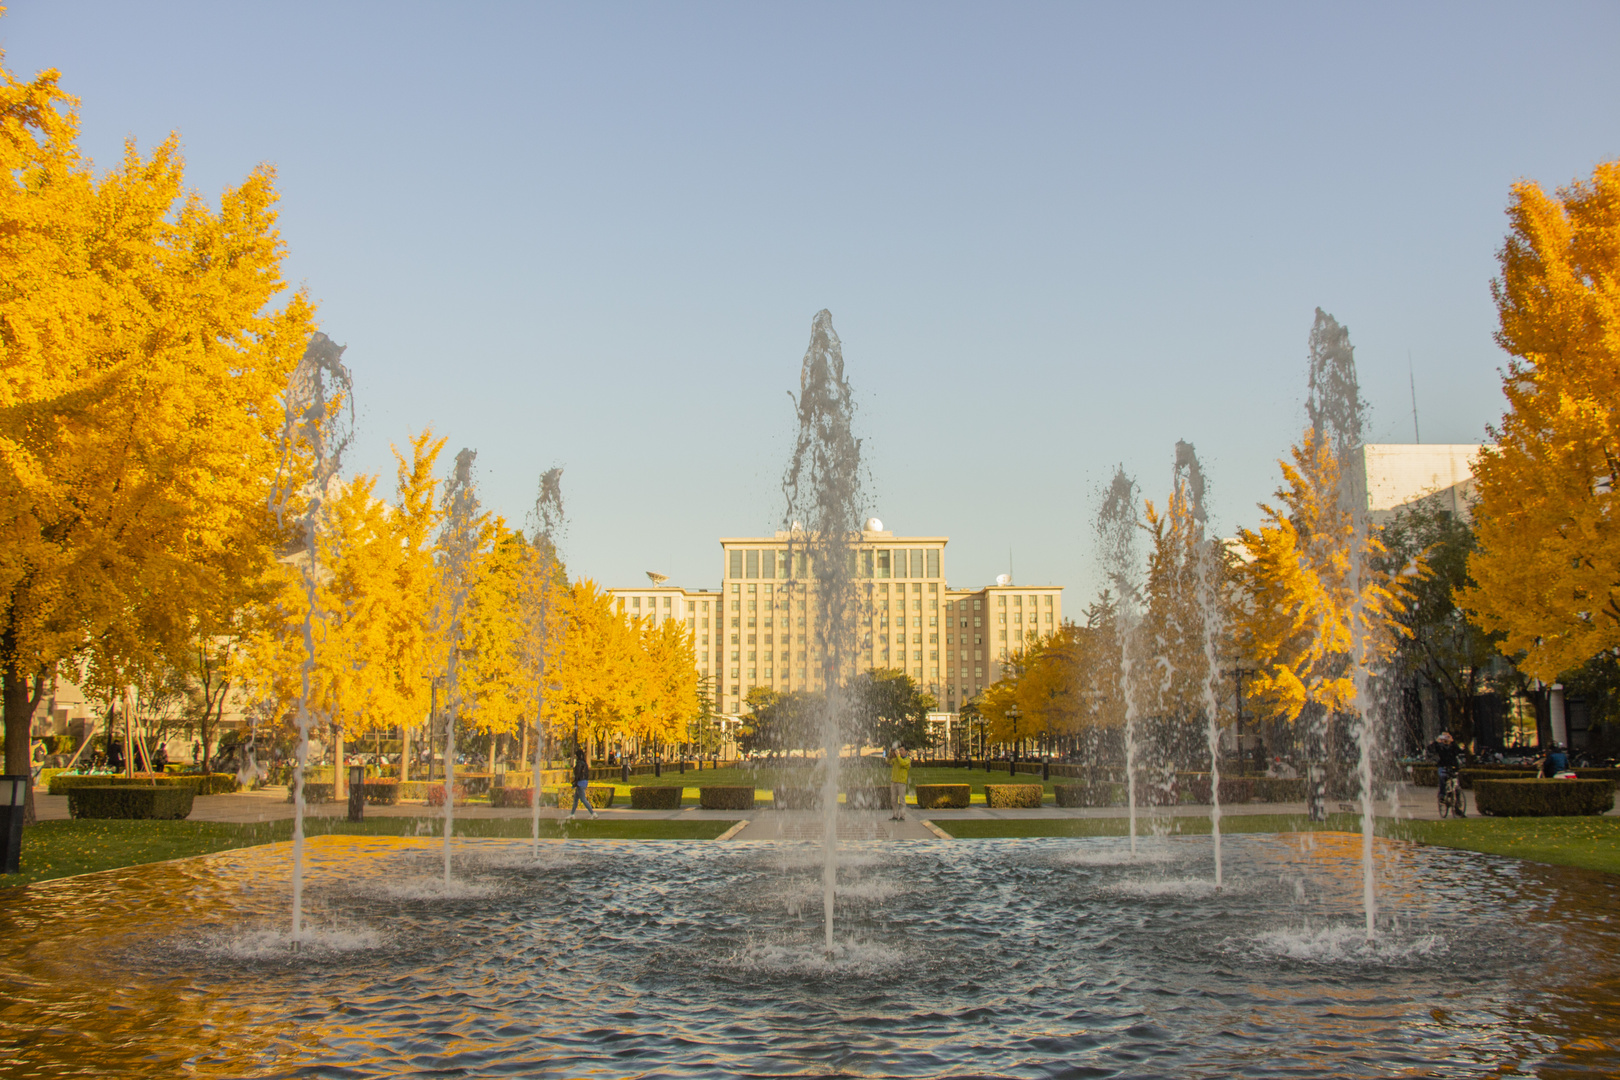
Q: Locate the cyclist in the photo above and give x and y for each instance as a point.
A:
(1448, 756)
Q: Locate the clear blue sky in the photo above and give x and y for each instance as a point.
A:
(1053, 237)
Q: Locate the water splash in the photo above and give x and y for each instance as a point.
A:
(314, 435)
(1117, 526)
(459, 541)
(546, 522)
(1338, 418)
(823, 519)
(1189, 485)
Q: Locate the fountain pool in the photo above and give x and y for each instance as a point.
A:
(1050, 958)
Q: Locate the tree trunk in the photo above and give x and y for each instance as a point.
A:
(404, 752)
(19, 717)
(340, 772)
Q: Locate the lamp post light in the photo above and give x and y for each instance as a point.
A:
(13, 804)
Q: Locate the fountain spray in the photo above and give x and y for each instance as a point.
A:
(459, 540)
(546, 520)
(823, 492)
(1338, 417)
(1189, 485)
(313, 438)
(1116, 535)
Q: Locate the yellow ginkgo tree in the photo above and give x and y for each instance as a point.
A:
(1546, 571)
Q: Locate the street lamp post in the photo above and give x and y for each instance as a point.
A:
(13, 805)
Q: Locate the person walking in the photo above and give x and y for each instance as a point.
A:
(582, 784)
(899, 778)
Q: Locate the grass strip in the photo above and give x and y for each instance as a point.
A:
(55, 849)
(1590, 843)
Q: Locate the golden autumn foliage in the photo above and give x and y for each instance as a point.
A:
(1547, 569)
(1305, 574)
(144, 352)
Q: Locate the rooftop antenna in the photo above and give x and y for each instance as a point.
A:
(656, 578)
(1412, 382)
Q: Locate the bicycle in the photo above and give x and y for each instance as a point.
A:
(1450, 795)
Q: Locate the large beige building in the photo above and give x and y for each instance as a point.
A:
(1400, 475)
(758, 628)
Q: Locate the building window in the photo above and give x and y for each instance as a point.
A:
(882, 563)
(866, 563)
(736, 568)
(767, 563)
(751, 557)
(975, 605)
(916, 562)
(933, 562)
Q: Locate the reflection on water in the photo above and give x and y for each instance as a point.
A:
(1048, 957)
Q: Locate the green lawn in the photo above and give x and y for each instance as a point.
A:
(53, 849)
(967, 829)
(1592, 843)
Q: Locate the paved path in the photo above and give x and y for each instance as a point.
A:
(806, 825)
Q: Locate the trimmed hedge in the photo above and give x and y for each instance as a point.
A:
(1242, 789)
(655, 797)
(1009, 796)
(315, 791)
(435, 794)
(796, 798)
(382, 792)
(1428, 775)
(600, 797)
(1098, 793)
(511, 796)
(164, 801)
(63, 783)
(943, 796)
(726, 798)
(1544, 798)
(868, 798)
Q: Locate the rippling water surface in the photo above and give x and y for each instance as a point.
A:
(1040, 958)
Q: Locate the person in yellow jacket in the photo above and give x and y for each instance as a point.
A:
(899, 777)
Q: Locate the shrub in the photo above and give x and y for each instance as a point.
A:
(1008, 796)
(943, 796)
(219, 783)
(435, 794)
(474, 783)
(726, 798)
(63, 783)
(1544, 798)
(381, 792)
(868, 798)
(165, 801)
(511, 796)
(796, 798)
(1429, 776)
(600, 797)
(1097, 793)
(655, 797)
(1279, 789)
(315, 792)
